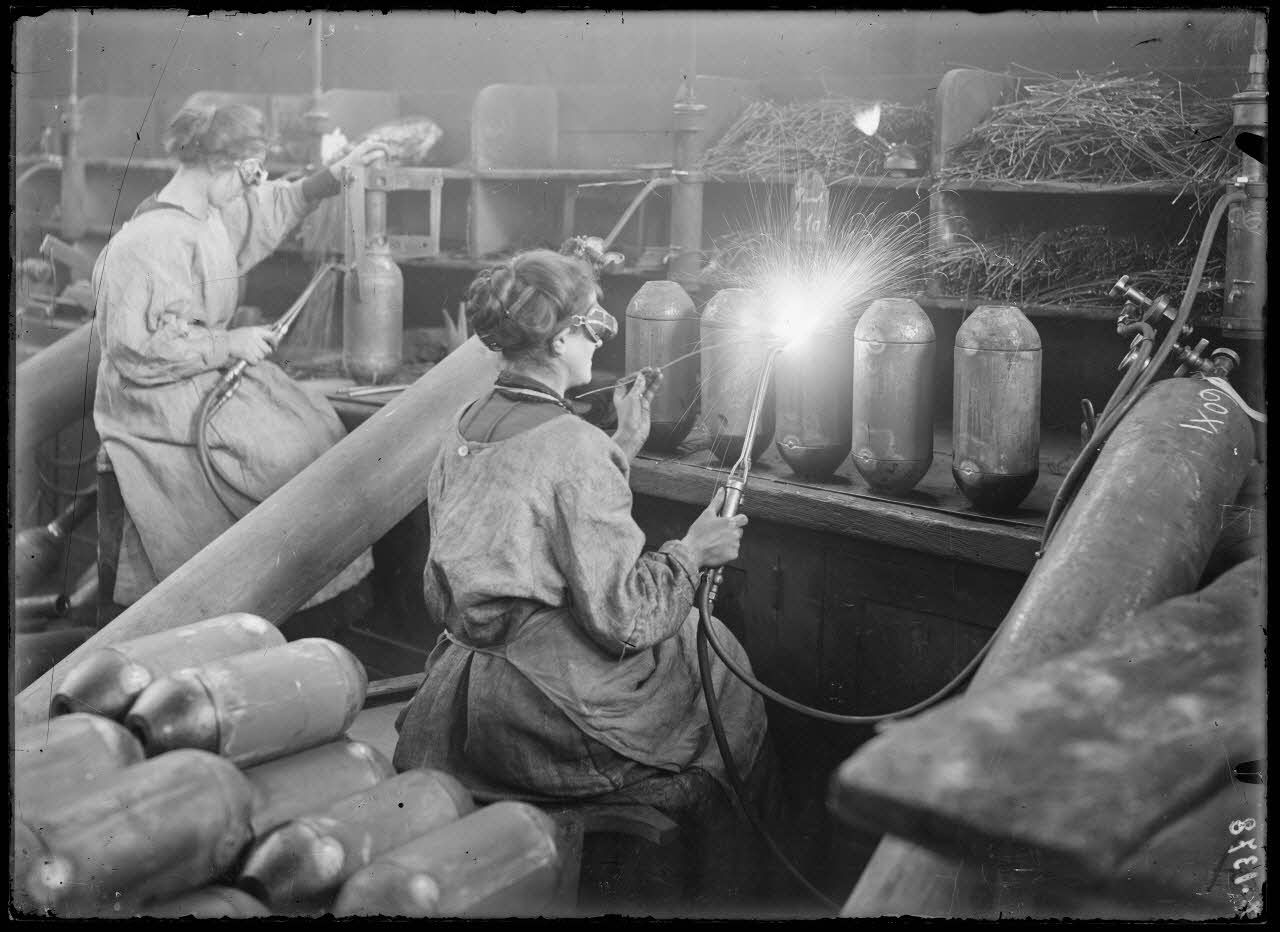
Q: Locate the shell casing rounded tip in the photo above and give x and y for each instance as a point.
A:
(106, 683)
(174, 712)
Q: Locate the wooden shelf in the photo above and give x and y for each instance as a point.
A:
(1154, 188)
(920, 182)
(933, 518)
(1070, 311)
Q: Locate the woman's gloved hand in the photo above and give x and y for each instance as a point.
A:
(362, 154)
(252, 344)
(714, 540)
(633, 409)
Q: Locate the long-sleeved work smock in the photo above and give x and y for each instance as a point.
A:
(568, 667)
(166, 286)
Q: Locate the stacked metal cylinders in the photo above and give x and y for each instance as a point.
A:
(995, 421)
(256, 706)
(66, 757)
(312, 855)
(212, 902)
(502, 860)
(813, 380)
(107, 681)
(662, 327)
(893, 358)
(735, 351)
(309, 780)
(373, 290)
(150, 831)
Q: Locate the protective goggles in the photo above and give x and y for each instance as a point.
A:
(252, 172)
(598, 323)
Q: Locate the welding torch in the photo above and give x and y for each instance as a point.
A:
(231, 378)
(736, 481)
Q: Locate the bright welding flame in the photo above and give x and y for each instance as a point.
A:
(813, 285)
(797, 308)
(868, 120)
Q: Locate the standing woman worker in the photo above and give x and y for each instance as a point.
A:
(568, 667)
(166, 287)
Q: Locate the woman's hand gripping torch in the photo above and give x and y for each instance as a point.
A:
(736, 482)
(230, 380)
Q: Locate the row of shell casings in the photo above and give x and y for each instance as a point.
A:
(246, 797)
(861, 385)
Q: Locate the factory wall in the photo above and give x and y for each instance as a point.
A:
(173, 54)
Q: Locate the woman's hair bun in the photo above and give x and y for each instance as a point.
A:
(203, 132)
(188, 129)
(518, 306)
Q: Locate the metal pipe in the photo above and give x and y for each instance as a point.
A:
(291, 545)
(52, 163)
(686, 197)
(1246, 272)
(74, 191)
(317, 58)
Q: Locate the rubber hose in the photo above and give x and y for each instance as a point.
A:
(722, 742)
(211, 473)
(1108, 422)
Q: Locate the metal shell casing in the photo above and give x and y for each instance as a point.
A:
(813, 382)
(64, 758)
(735, 351)
(107, 681)
(309, 780)
(373, 315)
(502, 860)
(254, 707)
(893, 372)
(207, 903)
(151, 831)
(312, 855)
(662, 326)
(995, 420)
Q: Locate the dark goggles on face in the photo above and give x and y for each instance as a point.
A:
(598, 323)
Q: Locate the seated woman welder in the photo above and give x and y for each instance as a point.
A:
(568, 667)
(166, 287)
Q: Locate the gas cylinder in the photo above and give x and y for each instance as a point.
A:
(256, 706)
(814, 384)
(312, 855)
(995, 421)
(501, 860)
(37, 550)
(65, 757)
(373, 291)
(150, 831)
(662, 326)
(309, 780)
(107, 681)
(734, 354)
(893, 354)
(206, 903)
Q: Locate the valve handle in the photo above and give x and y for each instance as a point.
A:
(1190, 358)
